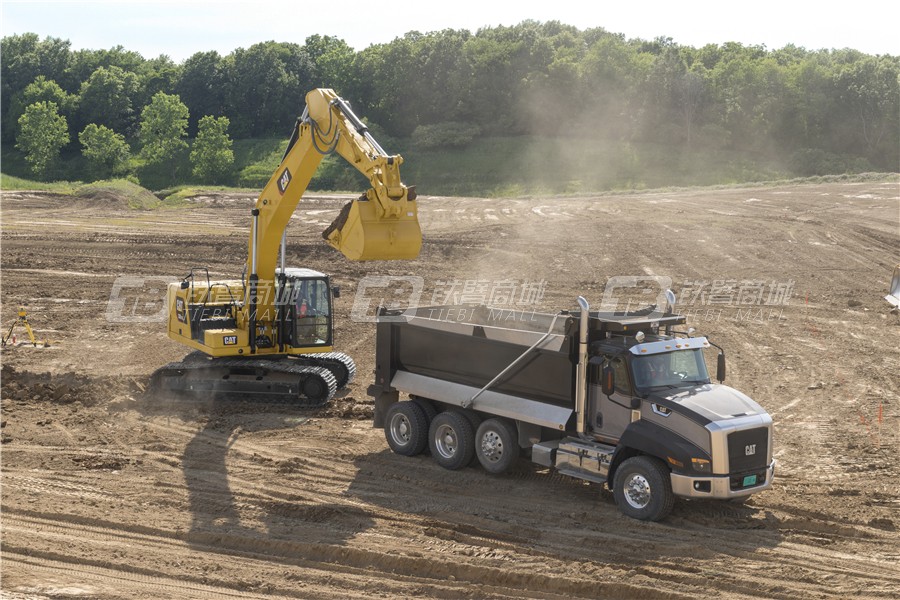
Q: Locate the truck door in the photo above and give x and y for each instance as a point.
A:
(611, 415)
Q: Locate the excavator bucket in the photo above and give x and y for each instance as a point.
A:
(361, 234)
(894, 293)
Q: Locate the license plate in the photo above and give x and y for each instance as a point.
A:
(749, 480)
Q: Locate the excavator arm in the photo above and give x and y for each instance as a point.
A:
(381, 225)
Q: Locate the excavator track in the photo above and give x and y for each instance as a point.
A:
(278, 380)
(341, 365)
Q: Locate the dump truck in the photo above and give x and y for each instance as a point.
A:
(622, 399)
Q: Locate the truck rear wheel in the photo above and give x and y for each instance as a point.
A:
(426, 405)
(643, 489)
(451, 440)
(497, 445)
(406, 429)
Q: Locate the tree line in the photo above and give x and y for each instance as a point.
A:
(823, 111)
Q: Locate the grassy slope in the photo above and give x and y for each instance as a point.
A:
(526, 165)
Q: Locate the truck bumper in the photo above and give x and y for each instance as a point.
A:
(717, 486)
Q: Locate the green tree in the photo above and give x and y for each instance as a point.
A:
(106, 151)
(202, 86)
(266, 87)
(159, 74)
(25, 57)
(163, 126)
(107, 98)
(42, 133)
(39, 90)
(869, 87)
(211, 155)
(331, 59)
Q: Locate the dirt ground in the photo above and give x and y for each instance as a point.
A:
(107, 494)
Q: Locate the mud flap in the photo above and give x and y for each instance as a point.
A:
(361, 234)
(894, 293)
(383, 401)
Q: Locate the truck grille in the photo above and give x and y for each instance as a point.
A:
(748, 449)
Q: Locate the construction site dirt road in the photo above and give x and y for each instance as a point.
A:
(107, 493)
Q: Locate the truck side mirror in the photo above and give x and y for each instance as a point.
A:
(720, 367)
(336, 291)
(608, 384)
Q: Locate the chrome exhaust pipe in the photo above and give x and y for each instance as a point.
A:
(581, 370)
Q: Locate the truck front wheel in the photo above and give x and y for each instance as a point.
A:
(497, 445)
(406, 428)
(643, 489)
(451, 440)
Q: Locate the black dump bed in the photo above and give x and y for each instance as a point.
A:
(472, 345)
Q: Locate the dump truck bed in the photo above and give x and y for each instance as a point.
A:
(450, 353)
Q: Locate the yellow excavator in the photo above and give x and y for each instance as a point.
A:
(271, 332)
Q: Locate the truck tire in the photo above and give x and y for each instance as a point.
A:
(426, 405)
(473, 417)
(497, 445)
(451, 440)
(406, 428)
(643, 489)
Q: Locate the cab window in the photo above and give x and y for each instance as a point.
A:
(623, 384)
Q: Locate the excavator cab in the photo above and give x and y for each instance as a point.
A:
(306, 306)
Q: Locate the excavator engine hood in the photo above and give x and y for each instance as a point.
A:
(364, 231)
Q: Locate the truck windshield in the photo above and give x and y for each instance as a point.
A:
(669, 369)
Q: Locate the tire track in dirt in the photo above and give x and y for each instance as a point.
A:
(347, 561)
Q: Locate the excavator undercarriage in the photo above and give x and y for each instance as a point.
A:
(304, 380)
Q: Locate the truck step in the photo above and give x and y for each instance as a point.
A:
(583, 459)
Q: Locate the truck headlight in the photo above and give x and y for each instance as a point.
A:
(701, 465)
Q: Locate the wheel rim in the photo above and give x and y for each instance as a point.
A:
(446, 441)
(491, 446)
(400, 429)
(637, 491)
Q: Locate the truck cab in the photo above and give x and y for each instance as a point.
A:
(661, 394)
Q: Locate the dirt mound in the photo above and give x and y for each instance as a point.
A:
(64, 388)
(120, 193)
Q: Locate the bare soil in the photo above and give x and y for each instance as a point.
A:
(109, 494)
